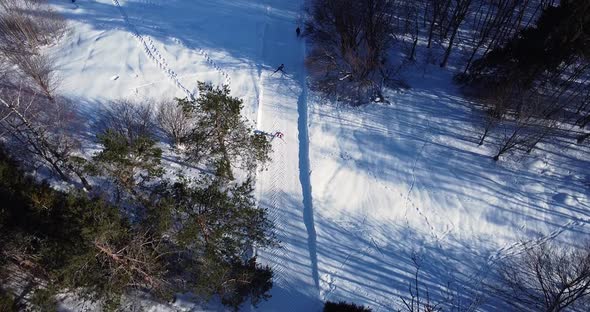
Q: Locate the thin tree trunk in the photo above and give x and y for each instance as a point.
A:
(45, 146)
(431, 33)
(413, 52)
(449, 48)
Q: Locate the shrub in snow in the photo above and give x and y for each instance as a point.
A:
(348, 59)
(343, 306)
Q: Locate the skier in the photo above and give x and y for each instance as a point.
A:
(298, 31)
(279, 69)
(279, 135)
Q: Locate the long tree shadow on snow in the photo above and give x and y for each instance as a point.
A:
(439, 136)
(376, 270)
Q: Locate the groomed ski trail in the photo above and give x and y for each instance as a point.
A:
(285, 188)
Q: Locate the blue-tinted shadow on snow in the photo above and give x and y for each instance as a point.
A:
(376, 271)
(210, 25)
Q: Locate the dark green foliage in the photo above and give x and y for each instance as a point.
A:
(343, 306)
(71, 241)
(561, 34)
(220, 216)
(216, 227)
(61, 239)
(164, 237)
(130, 162)
(221, 138)
(251, 281)
(261, 147)
(44, 300)
(7, 303)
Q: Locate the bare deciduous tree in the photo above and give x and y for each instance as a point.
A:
(25, 26)
(447, 299)
(419, 302)
(409, 13)
(434, 13)
(493, 24)
(547, 278)
(40, 130)
(349, 41)
(131, 119)
(39, 70)
(175, 121)
(496, 105)
(459, 12)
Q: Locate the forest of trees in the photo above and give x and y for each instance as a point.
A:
(120, 223)
(523, 63)
(535, 86)
(350, 56)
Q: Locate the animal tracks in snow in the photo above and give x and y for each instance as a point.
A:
(209, 60)
(516, 248)
(152, 51)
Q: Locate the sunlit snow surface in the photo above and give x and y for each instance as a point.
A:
(355, 193)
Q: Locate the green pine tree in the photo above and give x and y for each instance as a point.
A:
(217, 225)
(222, 137)
(131, 162)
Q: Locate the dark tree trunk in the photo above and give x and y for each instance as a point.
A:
(449, 48)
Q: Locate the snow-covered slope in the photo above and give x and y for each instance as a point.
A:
(355, 193)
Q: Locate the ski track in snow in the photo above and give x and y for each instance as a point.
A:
(273, 193)
(274, 177)
(152, 52)
(285, 188)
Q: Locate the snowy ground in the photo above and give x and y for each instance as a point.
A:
(355, 193)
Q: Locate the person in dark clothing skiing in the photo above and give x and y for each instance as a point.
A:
(298, 31)
(279, 69)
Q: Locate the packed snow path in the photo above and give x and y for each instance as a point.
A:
(283, 107)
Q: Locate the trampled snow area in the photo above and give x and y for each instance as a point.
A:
(355, 193)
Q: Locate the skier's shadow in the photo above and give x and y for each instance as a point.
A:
(282, 81)
(290, 86)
